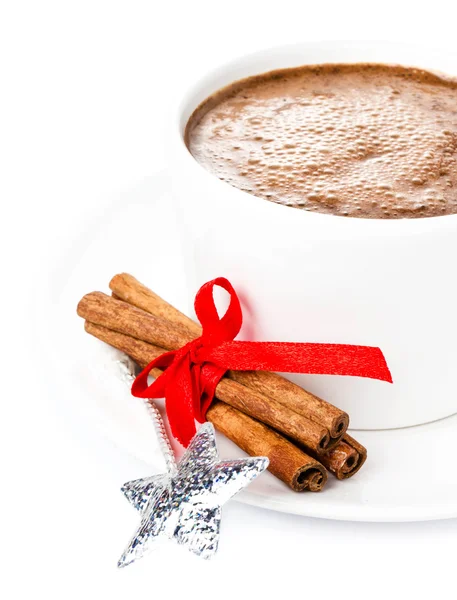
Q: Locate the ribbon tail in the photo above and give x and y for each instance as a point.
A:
(210, 376)
(179, 402)
(140, 388)
(196, 371)
(289, 357)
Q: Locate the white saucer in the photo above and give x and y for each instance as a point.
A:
(410, 474)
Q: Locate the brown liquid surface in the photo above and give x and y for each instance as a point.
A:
(373, 141)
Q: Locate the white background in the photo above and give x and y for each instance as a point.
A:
(84, 93)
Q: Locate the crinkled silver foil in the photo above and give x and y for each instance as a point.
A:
(185, 503)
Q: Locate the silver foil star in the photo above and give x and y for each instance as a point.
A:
(185, 503)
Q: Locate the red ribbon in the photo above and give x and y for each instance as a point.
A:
(193, 372)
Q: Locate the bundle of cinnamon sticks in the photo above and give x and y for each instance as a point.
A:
(263, 413)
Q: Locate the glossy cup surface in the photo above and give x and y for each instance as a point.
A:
(305, 276)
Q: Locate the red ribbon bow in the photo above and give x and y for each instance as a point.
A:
(193, 372)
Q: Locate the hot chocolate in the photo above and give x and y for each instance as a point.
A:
(362, 140)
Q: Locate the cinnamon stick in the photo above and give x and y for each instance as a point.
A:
(141, 352)
(296, 398)
(122, 317)
(298, 470)
(115, 314)
(129, 289)
(346, 459)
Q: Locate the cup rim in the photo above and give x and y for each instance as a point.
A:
(342, 223)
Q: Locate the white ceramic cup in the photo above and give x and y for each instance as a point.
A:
(310, 277)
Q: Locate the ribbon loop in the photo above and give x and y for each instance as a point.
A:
(192, 373)
(218, 329)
